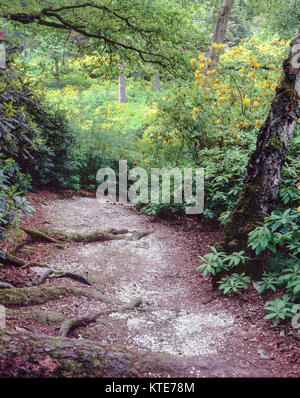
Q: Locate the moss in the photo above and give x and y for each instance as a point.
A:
(36, 314)
(37, 295)
(70, 368)
(287, 87)
(275, 143)
(14, 239)
(242, 219)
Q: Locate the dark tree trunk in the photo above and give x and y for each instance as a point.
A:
(262, 179)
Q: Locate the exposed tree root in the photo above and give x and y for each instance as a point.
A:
(11, 259)
(51, 274)
(86, 319)
(115, 231)
(38, 294)
(35, 314)
(31, 355)
(56, 236)
(14, 239)
(4, 285)
(43, 277)
(40, 235)
(72, 275)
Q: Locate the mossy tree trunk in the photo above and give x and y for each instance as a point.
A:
(262, 179)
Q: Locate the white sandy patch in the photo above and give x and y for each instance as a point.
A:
(187, 335)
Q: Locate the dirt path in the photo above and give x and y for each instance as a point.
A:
(182, 316)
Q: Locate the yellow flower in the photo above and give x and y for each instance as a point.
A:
(193, 62)
(218, 121)
(247, 101)
(298, 210)
(201, 57)
(255, 104)
(198, 74)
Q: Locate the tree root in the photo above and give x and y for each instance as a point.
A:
(10, 259)
(51, 274)
(92, 316)
(35, 314)
(56, 236)
(26, 354)
(72, 275)
(4, 285)
(38, 294)
(43, 277)
(39, 234)
(115, 231)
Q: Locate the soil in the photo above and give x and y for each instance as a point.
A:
(182, 314)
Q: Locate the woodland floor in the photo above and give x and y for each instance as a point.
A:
(183, 316)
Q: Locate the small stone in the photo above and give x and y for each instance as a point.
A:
(262, 354)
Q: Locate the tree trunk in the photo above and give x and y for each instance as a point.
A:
(2, 57)
(57, 72)
(262, 179)
(24, 46)
(156, 79)
(220, 32)
(122, 85)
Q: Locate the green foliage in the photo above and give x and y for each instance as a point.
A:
(291, 278)
(279, 309)
(34, 142)
(13, 186)
(280, 236)
(268, 282)
(216, 261)
(52, 163)
(280, 229)
(234, 283)
(139, 31)
(175, 129)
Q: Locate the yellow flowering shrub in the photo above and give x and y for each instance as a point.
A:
(237, 95)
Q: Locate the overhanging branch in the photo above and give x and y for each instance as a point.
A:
(45, 18)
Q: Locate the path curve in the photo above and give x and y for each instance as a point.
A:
(160, 269)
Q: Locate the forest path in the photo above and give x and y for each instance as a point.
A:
(181, 314)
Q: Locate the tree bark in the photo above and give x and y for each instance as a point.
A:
(156, 79)
(262, 180)
(220, 31)
(122, 85)
(56, 61)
